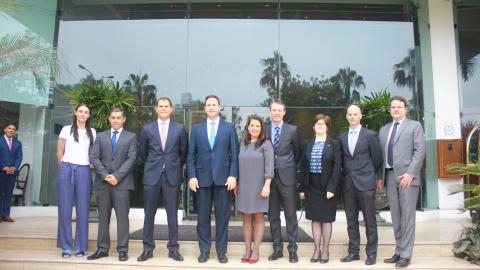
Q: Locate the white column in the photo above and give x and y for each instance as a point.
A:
(445, 87)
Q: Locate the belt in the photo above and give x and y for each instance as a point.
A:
(388, 169)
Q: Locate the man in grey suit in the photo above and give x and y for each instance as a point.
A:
(403, 142)
(283, 189)
(163, 148)
(362, 158)
(113, 156)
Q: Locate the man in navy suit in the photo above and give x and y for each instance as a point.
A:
(163, 149)
(362, 157)
(10, 159)
(212, 166)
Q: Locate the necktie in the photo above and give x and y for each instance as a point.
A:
(9, 143)
(212, 134)
(276, 137)
(352, 141)
(114, 140)
(163, 135)
(391, 141)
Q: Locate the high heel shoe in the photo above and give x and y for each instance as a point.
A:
(322, 260)
(314, 260)
(244, 259)
(250, 260)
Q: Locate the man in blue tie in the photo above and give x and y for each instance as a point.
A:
(283, 189)
(10, 159)
(212, 166)
(403, 142)
(113, 157)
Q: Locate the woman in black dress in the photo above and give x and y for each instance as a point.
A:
(321, 174)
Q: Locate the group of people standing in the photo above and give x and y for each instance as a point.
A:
(266, 171)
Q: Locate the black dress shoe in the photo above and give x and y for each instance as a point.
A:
(145, 256)
(275, 255)
(203, 257)
(122, 256)
(222, 258)
(393, 259)
(371, 260)
(292, 257)
(174, 254)
(402, 263)
(350, 257)
(97, 255)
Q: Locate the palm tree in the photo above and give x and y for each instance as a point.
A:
(404, 74)
(26, 52)
(144, 93)
(348, 80)
(275, 74)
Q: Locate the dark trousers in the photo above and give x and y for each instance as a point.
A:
(152, 196)
(74, 184)
(221, 201)
(119, 200)
(286, 197)
(7, 184)
(354, 201)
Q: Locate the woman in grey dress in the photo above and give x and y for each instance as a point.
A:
(255, 174)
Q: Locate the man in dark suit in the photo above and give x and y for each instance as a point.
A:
(403, 142)
(362, 157)
(163, 149)
(212, 166)
(11, 156)
(113, 156)
(283, 190)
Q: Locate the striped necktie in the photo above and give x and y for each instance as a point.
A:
(276, 137)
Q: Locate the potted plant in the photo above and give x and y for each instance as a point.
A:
(468, 245)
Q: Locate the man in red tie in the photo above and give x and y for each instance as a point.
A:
(10, 160)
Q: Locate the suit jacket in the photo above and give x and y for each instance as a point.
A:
(173, 157)
(10, 158)
(119, 163)
(331, 165)
(408, 150)
(213, 166)
(361, 168)
(287, 154)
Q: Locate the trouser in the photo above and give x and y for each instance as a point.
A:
(7, 184)
(74, 183)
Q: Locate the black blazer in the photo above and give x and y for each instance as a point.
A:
(360, 169)
(331, 165)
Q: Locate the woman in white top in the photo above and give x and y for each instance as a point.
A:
(74, 181)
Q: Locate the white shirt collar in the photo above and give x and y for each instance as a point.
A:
(357, 129)
(210, 121)
(160, 121)
(119, 130)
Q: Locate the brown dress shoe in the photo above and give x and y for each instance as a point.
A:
(8, 219)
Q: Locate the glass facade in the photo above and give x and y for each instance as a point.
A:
(318, 56)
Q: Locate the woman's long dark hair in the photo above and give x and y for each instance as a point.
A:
(261, 138)
(74, 129)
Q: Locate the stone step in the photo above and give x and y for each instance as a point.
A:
(234, 248)
(11, 259)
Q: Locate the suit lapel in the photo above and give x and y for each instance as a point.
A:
(361, 134)
(344, 140)
(282, 135)
(400, 131)
(326, 146)
(5, 143)
(204, 134)
(309, 149)
(156, 132)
